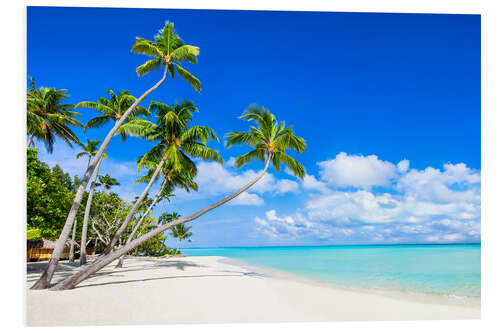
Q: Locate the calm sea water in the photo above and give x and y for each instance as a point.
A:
(453, 270)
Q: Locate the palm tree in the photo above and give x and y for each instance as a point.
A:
(270, 140)
(47, 117)
(113, 109)
(171, 181)
(107, 182)
(168, 217)
(90, 150)
(181, 231)
(176, 143)
(169, 51)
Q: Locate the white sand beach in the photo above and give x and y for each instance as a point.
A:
(201, 290)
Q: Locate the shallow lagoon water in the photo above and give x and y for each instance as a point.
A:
(451, 270)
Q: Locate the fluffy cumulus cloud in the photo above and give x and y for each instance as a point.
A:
(215, 179)
(357, 171)
(367, 199)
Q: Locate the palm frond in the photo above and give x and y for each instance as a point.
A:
(149, 66)
(190, 78)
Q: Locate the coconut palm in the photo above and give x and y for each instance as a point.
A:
(168, 217)
(270, 141)
(171, 181)
(176, 143)
(168, 50)
(89, 150)
(113, 109)
(168, 45)
(107, 182)
(48, 118)
(181, 231)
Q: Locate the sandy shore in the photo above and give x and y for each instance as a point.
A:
(211, 290)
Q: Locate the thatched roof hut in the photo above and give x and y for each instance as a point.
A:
(42, 249)
(48, 244)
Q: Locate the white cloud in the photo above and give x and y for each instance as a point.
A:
(246, 199)
(357, 171)
(403, 165)
(285, 227)
(311, 183)
(215, 179)
(434, 205)
(231, 161)
(286, 185)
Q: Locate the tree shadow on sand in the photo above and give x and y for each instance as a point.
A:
(66, 269)
(241, 274)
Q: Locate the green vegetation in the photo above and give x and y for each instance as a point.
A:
(33, 234)
(49, 193)
(181, 231)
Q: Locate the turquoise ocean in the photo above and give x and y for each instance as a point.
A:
(451, 270)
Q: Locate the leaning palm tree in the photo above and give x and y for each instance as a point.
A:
(91, 150)
(107, 182)
(171, 181)
(270, 141)
(176, 144)
(169, 51)
(47, 118)
(181, 231)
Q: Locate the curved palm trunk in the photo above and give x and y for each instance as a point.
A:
(82, 274)
(83, 242)
(30, 141)
(46, 277)
(138, 224)
(136, 206)
(178, 245)
(71, 257)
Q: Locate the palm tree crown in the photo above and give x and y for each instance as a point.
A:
(47, 117)
(181, 231)
(168, 217)
(269, 139)
(176, 141)
(112, 109)
(169, 50)
(172, 178)
(90, 149)
(107, 182)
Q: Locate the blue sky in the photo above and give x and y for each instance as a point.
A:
(389, 105)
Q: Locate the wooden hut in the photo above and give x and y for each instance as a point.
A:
(42, 250)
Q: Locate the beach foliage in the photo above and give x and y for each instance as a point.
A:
(49, 193)
(48, 117)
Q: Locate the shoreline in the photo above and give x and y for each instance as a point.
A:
(422, 297)
(209, 289)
